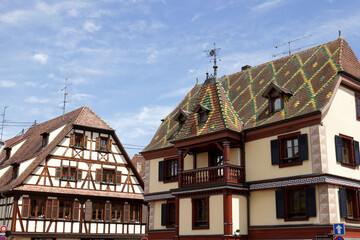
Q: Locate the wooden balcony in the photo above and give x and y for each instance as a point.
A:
(212, 175)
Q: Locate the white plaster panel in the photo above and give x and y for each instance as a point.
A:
(39, 226)
(119, 228)
(54, 162)
(37, 170)
(31, 226)
(101, 228)
(60, 227)
(83, 166)
(93, 227)
(131, 229)
(76, 227)
(52, 228)
(86, 154)
(137, 229)
(72, 184)
(18, 226)
(31, 180)
(112, 228)
(67, 226)
(138, 189)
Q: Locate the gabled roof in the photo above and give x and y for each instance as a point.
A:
(272, 87)
(311, 76)
(220, 114)
(32, 145)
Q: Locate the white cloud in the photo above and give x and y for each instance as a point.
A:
(196, 16)
(5, 83)
(81, 96)
(41, 58)
(266, 5)
(30, 84)
(34, 99)
(176, 93)
(91, 27)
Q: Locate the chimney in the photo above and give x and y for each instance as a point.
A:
(246, 67)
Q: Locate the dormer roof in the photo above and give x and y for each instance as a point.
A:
(273, 87)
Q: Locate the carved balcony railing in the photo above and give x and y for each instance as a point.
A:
(212, 175)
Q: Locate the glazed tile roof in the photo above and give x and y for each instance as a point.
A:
(310, 76)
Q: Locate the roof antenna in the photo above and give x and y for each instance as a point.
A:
(339, 33)
(214, 53)
(3, 123)
(289, 44)
(65, 94)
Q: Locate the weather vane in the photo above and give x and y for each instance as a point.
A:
(213, 53)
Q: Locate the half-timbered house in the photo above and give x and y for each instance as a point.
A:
(70, 177)
(270, 152)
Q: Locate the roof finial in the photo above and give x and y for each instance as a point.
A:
(214, 53)
(339, 33)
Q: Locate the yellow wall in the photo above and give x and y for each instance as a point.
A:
(188, 162)
(157, 215)
(216, 217)
(341, 118)
(154, 184)
(239, 214)
(263, 210)
(258, 161)
(202, 160)
(235, 156)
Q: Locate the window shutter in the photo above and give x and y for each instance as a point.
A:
(338, 146)
(79, 175)
(310, 201)
(118, 177)
(144, 214)
(275, 152)
(126, 212)
(97, 144)
(84, 141)
(55, 209)
(57, 172)
(107, 211)
(303, 147)
(98, 177)
(356, 153)
(48, 208)
(108, 145)
(161, 170)
(163, 214)
(358, 106)
(72, 140)
(280, 203)
(25, 208)
(76, 210)
(88, 210)
(343, 205)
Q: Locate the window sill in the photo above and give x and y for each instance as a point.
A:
(68, 179)
(171, 181)
(78, 147)
(348, 165)
(296, 219)
(199, 228)
(352, 220)
(295, 163)
(108, 183)
(103, 151)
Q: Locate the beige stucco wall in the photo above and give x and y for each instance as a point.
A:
(235, 156)
(258, 160)
(341, 119)
(156, 185)
(263, 210)
(157, 214)
(188, 162)
(216, 217)
(239, 214)
(202, 160)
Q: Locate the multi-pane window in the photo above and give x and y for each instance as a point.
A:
(108, 176)
(37, 208)
(68, 173)
(296, 203)
(347, 151)
(97, 211)
(78, 140)
(103, 144)
(349, 203)
(216, 159)
(200, 213)
(276, 104)
(135, 211)
(116, 212)
(171, 169)
(65, 210)
(171, 214)
(290, 150)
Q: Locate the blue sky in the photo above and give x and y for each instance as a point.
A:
(132, 61)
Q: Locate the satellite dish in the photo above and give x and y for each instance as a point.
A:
(2, 145)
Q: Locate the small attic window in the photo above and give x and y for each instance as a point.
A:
(15, 170)
(276, 96)
(181, 117)
(202, 112)
(7, 153)
(45, 139)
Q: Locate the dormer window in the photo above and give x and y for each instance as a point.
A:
(15, 172)
(181, 117)
(7, 153)
(276, 96)
(202, 112)
(45, 139)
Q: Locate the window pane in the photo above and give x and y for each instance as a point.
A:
(277, 104)
(297, 204)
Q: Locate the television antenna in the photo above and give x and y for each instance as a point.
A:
(7, 123)
(289, 45)
(65, 95)
(213, 53)
(3, 122)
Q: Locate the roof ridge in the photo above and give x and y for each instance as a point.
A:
(85, 108)
(220, 103)
(341, 53)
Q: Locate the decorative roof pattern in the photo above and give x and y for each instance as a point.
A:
(310, 76)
